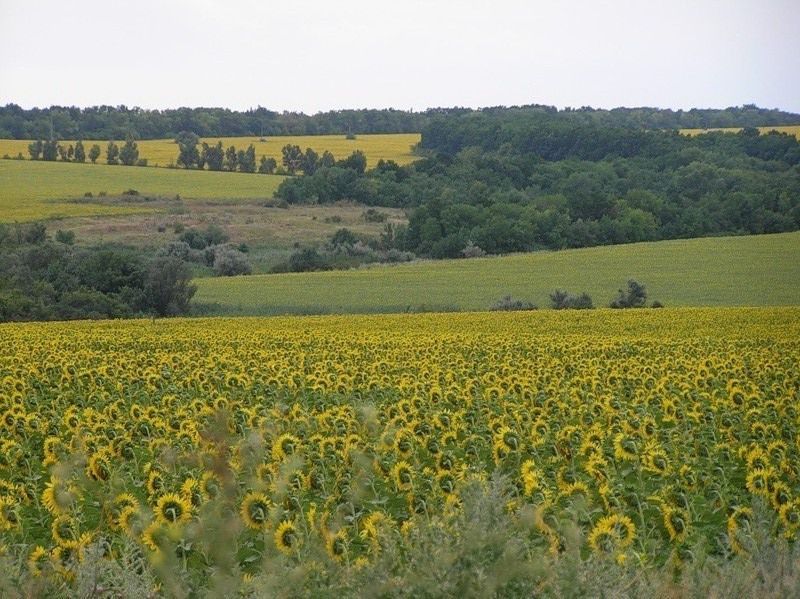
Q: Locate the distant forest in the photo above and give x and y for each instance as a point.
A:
(121, 122)
(525, 179)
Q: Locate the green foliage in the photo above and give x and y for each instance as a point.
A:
(129, 154)
(509, 304)
(94, 153)
(230, 262)
(167, 286)
(35, 149)
(561, 300)
(107, 122)
(80, 152)
(188, 155)
(112, 153)
(292, 158)
(634, 296)
(66, 237)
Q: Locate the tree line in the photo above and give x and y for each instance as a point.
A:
(505, 183)
(118, 122)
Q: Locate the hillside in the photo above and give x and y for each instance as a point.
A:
(725, 271)
(40, 190)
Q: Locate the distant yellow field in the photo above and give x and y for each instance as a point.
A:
(790, 129)
(161, 152)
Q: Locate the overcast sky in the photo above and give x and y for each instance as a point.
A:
(320, 55)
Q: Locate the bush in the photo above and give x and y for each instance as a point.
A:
(167, 286)
(507, 303)
(66, 237)
(656, 304)
(635, 296)
(561, 300)
(229, 262)
(130, 192)
(371, 215)
(472, 251)
(307, 260)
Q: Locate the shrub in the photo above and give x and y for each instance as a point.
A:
(66, 237)
(561, 300)
(167, 286)
(130, 192)
(371, 215)
(230, 262)
(472, 251)
(634, 296)
(656, 304)
(507, 303)
(306, 260)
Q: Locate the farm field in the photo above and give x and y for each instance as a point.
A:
(161, 152)
(751, 270)
(790, 129)
(40, 190)
(333, 452)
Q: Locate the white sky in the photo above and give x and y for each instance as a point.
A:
(318, 55)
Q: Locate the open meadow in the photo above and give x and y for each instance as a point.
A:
(518, 454)
(162, 152)
(788, 129)
(750, 270)
(43, 190)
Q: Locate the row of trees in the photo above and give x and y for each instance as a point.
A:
(117, 122)
(51, 150)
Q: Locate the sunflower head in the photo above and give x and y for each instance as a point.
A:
(255, 511)
(287, 539)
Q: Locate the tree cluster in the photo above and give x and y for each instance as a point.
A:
(44, 279)
(547, 182)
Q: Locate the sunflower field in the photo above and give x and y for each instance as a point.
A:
(229, 454)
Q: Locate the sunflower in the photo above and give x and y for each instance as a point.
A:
(118, 505)
(173, 508)
(99, 466)
(65, 530)
(255, 511)
(336, 545)
(759, 481)
(612, 533)
(191, 492)
(210, 485)
(739, 517)
(676, 522)
(158, 534)
(155, 483)
(790, 516)
(8, 514)
(402, 475)
(284, 446)
(37, 560)
(287, 539)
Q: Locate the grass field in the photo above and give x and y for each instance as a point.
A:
(790, 129)
(38, 190)
(753, 270)
(161, 152)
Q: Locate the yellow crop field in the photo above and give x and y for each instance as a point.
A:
(332, 452)
(789, 129)
(161, 152)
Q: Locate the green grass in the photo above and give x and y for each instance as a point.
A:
(720, 271)
(38, 190)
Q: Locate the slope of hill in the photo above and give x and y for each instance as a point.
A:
(39, 190)
(751, 270)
